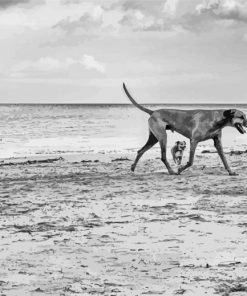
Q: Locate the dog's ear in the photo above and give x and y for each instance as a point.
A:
(177, 142)
(229, 113)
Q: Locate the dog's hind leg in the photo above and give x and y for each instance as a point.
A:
(219, 148)
(158, 127)
(150, 143)
(163, 143)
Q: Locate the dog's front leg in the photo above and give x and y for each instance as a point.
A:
(219, 148)
(193, 145)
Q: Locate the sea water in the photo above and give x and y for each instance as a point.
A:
(29, 130)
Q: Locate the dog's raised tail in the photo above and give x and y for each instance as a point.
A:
(135, 103)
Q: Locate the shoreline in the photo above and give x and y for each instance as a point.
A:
(106, 156)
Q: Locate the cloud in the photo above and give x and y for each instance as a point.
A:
(76, 18)
(159, 15)
(86, 22)
(113, 15)
(50, 13)
(169, 15)
(141, 15)
(235, 10)
(138, 21)
(152, 7)
(7, 3)
(146, 15)
(215, 15)
(70, 2)
(170, 7)
(90, 63)
(4, 4)
(46, 65)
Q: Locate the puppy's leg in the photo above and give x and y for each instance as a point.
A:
(173, 155)
(219, 148)
(193, 145)
(179, 160)
(150, 143)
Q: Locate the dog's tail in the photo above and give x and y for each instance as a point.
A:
(135, 103)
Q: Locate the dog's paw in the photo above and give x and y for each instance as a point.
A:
(233, 174)
(172, 173)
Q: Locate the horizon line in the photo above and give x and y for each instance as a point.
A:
(109, 103)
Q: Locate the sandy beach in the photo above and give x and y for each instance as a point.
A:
(86, 225)
(84, 86)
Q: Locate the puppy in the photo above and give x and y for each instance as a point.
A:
(177, 151)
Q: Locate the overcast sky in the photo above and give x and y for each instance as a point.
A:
(75, 51)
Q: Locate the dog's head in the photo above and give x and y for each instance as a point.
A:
(236, 119)
(181, 145)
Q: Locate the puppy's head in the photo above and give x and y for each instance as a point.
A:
(236, 118)
(181, 145)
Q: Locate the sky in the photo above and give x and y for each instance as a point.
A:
(166, 51)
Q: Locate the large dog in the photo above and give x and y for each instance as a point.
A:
(197, 125)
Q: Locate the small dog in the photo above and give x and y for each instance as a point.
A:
(177, 151)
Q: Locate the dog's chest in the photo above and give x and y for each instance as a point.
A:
(178, 153)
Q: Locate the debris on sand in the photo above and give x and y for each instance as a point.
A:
(180, 291)
(229, 263)
(49, 160)
(227, 289)
(237, 152)
(38, 290)
(208, 151)
(121, 159)
(233, 152)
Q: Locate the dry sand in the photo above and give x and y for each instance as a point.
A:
(93, 228)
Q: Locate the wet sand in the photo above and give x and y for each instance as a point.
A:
(88, 226)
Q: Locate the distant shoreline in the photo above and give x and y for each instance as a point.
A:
(124, 104)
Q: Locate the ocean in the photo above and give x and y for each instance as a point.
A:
(30, 130)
